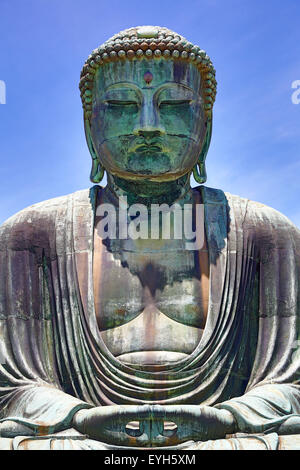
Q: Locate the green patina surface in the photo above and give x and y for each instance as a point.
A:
(184, 345)
(150, 132)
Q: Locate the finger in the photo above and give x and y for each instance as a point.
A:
(178, 413)
(123, 439)
(121, 412)
(152, 427)
(133, 413)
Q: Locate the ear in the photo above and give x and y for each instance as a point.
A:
(97, 171)
(206, 142)
(88, 136)
(199, 170)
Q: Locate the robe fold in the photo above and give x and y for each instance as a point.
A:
(54, 362)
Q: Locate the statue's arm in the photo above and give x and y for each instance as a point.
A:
(272, 398)
(32, 397)
(37, 409)
(266, 408)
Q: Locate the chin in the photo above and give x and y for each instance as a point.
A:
(162, 177)
(149, 167)
(148, 164)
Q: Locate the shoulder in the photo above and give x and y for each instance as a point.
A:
(259, 221)
(266, 225)
(38, 221)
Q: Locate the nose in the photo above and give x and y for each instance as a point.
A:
(149, 132)
(148, 124)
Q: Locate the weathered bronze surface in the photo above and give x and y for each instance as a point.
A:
(123, 341)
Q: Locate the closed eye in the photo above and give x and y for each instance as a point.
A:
(174, 103)
(121, 103)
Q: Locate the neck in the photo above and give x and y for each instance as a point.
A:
(149, 192)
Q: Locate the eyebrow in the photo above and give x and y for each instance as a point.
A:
(121, 86)
(175, 85)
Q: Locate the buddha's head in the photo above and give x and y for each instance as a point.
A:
(147, 95)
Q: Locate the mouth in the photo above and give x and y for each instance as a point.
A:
(148, 148)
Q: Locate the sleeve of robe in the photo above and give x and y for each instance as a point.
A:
(272, 399)
(31, 384)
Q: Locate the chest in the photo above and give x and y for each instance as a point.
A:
(169, 280)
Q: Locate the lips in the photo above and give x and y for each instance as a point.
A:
(148, 148)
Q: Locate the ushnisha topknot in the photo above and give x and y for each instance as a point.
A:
(147, 42)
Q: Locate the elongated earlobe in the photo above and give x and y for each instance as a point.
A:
(97, 171)
(199, 170)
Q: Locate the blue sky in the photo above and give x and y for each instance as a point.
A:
(254, 45)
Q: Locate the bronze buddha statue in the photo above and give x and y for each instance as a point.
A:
(113, 340)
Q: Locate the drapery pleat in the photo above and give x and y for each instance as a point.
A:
(54, 362)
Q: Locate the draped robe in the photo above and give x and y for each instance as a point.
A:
(54, 362)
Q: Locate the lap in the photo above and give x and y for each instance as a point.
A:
(72, 440)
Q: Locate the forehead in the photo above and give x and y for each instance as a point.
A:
(134, 71)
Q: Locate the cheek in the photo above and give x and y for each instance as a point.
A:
(176, 119)
(115, 121)
(185, 120)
